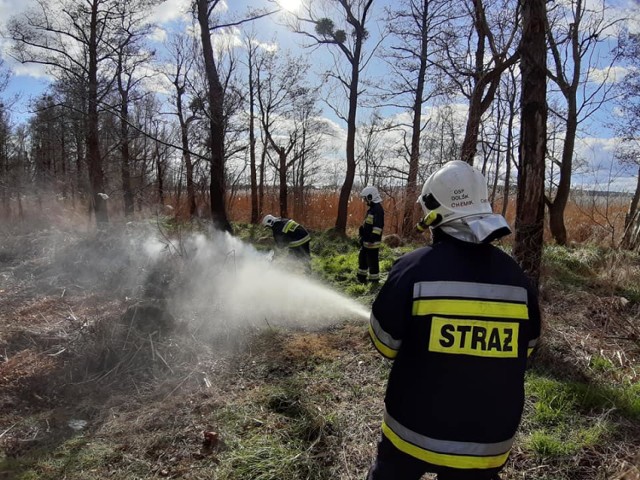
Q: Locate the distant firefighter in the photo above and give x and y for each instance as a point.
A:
(289, 234)
(459, 319)
(370, 237)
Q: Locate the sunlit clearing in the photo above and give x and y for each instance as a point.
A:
(290, 5)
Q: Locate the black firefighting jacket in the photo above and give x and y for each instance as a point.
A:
(371, 228)
(288, 233)
(459, 319)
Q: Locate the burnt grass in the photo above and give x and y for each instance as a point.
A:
(99, 379)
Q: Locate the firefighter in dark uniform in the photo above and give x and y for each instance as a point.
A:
(459, 319)
(370, 233)
(291, 235)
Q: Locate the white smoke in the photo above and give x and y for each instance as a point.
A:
(229, 284)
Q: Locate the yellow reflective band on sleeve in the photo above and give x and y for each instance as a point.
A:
(474, 337)
(369, 219)
(381, 347)
(444, 459)
(290, 226)
(376, 231)
(302, 241)
(473, 308)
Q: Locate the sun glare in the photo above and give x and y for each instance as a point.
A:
(290, 5)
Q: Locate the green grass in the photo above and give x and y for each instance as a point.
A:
(569, 417)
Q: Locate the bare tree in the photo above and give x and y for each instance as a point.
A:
(574, 32)
(353, 14)
(413, 24)
(129, 55)
(74, 39)
(181, 53)
(283, 95)
(215, 98)
(495, 27)
(209, 22)
(527, 248)
(371, 150)
(628, 130)
(252, 47)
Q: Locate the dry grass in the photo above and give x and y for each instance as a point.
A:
(285, 404)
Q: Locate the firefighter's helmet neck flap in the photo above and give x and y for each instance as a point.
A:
(455, 199)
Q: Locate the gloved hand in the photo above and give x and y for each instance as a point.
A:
(421, 226)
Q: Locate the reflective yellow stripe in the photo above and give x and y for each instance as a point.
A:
(474, 337)
(443, 459)
(473, 308)
(371, 244)
(302, 241)
(376, 230)
(369, 219)
(381, 347)
(290, 226)
(529, 351)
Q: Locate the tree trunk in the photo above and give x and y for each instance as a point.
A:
(216, 117)
(263, 157)
(527, 248)
(186, 152)
(252, 144)
(127, 191)
(94, 159)
(508, 159)
(345, 191)
(559, 204)
(159, 173)
(411, 191)
(282, 178)
(631, 238)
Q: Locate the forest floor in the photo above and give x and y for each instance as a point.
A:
(100, 377)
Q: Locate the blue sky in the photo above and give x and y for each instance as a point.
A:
(595, 146)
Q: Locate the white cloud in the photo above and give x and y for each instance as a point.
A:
(607, 74)
(226, 39)
(34, 70)
(598, 169)
(158, 35)
(170, 10)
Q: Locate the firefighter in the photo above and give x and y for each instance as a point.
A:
(370, 234)
(291, 235)
(459, 319)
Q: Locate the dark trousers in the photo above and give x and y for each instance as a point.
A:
(369, 260)
(392, 464)
(302, 253)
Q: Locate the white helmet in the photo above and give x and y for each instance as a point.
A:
(457, 190)
(268, 221)
(371, 194)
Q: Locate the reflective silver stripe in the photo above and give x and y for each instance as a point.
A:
(484, 291)
(447, 446)
(383, 336)
(302, 241)
(371, 244)
(374, 276)
(362, 272)
(376, 230)
(532, 343)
